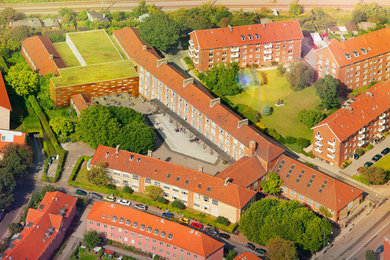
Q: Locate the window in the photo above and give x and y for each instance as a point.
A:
(215, 202)
(135, 177)
(206, 199)
(149, 181)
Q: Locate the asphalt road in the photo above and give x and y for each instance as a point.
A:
(127, 5)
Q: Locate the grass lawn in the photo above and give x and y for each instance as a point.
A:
(95, 47)
(384, 163)
(284, 118)
(94, 73)
(66, 54)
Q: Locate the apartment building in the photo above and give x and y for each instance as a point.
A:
(5, 106)
(195, 189)
(352, 127)
(255, 44)
(152, 234)
(357, 62)
(41, 55)
(196, 108)
(45, 228)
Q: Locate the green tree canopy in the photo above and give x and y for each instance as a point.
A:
(281, 249)
(7, 186)
(310, 117)
(374, 175)
(273, 184)
(154, 192)
(267, 110)
(17, 160)
(300, 75)
(62, 126)
(22, 79)
(268, 218)
(98, 175)
(327, 89)
(92, 239)
(160, 31)
(7, 15)
(178, 204)
(222, 79)
(82, 15)
(295, 8)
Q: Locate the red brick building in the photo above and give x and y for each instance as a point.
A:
(386, 251)
(358, 61)
(152, 234)
(337, 137)
(41, 55)
(5, 106)
(256, 44)
(45, 228)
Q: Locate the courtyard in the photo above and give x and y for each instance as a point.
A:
(284, 118)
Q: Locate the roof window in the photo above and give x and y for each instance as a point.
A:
(131, 157)
(347, 55)
(199, 185)
(178, 178)
(139, 159)
(289, 172)
(355, 53)
(149, 229)
(163, 234)
(208, 188)
(170, 236)
(128, 222)
(121, 220)
(187, 181)
(168, 176)
(142, 227)
(156, 231)
(280, 166)
(311, 180)
(300, 175)
(364, 51)
(135, 224)
(243, 38)
(250, 37)
(257, 36)
(323, 186)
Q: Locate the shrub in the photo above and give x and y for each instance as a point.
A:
(281, 69)
(290, 140)
(267, 110)
(273, 133)
(310, 117)
(360, 152)
(274, 63)
(325, 211)
(178, 204)
(369, 147)
(127, 189)
(163, 200)
(222, 220)
(303, 142)
(15, 228)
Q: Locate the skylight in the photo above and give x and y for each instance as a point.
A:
(208, 188)
(311, 180)
(280, 166)
(199, 185)
(178, 178)
(323, 186)
(289, 172)
(169, 175)
(187, 181)
(300, 175)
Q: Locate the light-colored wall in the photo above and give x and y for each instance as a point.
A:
(4, 118)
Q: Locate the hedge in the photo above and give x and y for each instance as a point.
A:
(76, 168)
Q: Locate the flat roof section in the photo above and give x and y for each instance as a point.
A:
(94, 73)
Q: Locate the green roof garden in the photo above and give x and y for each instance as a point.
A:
(94, 73)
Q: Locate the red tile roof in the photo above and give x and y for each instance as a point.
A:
(33, 239)
(132, 44)
(4, 100)
(12, 137)
(335, 194)
(244, 172)
(247, 256)
(375, 43)
(226, 37)
(81, 101)
(365, 108)
(155, 169)
(183, 236)
(39, 49)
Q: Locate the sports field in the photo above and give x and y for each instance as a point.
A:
(95, 47)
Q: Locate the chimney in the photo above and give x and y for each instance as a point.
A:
(230, 27)
(215, 101)
(51, 56)
(117, 149)
(200, 168)
(149, 153)
(161, 61)
(227, 180)
(144, 47)
(188, 81)
(107, 153)
(242, 122)
(252, 147)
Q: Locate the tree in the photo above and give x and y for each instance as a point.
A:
(267, 110)
(178, 204)
(326, 212)
(222, 220)
(370, 255)
(82, 15)
(7, 186)
(17, 160)
(358, 16)
(281, 249)
(322, 20)
(8, 14)
(127, 189)
(273, 184)
(161, 32)
(374, 175)
(243, 18)
(15, 228)
(92, 239)
(98, 175)
(327, 89)
(154, 192)
(62, 126)
(295, 8)
(269, 217)
(310, 117)
(22, 79)
(300, 76)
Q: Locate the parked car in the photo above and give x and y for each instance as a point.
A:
(260, 251)
(196, 225)
(81, 192)
(212, 231)
(368, 164)
(380, 249)
(250, 246)
(140, 206)
(110, 198)
(224, 235)
(94, 195)
(376, 157)
(123, 202)
(385, 151)
(184, 220)
(168, 215)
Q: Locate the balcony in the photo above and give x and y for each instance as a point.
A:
(383, 116)
(332, 150)
(361, 143)
(195, 61)
(191, 42)
(234, 55)
(361, 137)
(268, 45)
(381, 128)
(318, 150)
(331, 156)
(332, 143)
(363, 130)
(234, 49)
(267, 51)
(190, 54)
(196, 55)
(382, 122)
(267, 58)
(318, 137)
(318, 143)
